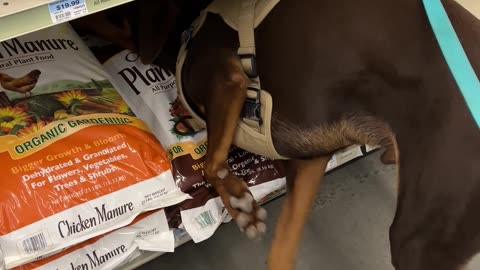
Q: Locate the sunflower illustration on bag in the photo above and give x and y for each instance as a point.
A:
(181, 127)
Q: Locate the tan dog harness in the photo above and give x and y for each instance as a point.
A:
(253, 131)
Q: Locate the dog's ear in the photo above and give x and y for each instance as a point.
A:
(151, 22)
(109, 25)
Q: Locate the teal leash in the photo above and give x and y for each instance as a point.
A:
(455, 56)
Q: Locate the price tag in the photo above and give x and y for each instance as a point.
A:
(66, 10)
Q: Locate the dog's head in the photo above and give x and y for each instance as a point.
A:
(151, 23)
(152, 27)
(158, 28)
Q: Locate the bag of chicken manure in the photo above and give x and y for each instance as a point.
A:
(148, 232)
(75, 161)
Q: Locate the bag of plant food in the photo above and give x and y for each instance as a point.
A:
(152, 94)
(76, 162)
(148, 232)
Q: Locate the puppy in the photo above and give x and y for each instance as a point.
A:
(362, 72)
(340, 73)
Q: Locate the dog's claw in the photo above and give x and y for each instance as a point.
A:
(261, 227)
(262, 214)
(242, 220)
(251, 232)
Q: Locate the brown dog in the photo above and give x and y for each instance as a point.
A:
(350, 72)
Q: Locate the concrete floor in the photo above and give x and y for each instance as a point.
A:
(348, 228)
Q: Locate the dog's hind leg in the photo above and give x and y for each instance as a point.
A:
(227, 88)
(436, 222)
(426, 245)
(303, 180)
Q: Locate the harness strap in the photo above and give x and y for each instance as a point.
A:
(246, 52)
(455, 56)
(246, 36)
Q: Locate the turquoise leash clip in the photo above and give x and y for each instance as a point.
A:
(455, 56)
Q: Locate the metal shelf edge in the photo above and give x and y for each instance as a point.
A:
(38, 17)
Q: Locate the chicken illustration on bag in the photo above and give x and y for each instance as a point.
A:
(23, 85)
(53, 101)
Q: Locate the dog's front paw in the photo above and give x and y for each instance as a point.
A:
(251, 217)
(241, 205)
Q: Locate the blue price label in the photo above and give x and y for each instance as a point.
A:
(65, 10)
(64, 4)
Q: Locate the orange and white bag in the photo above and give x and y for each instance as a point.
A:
(75, 161)
(148, 232)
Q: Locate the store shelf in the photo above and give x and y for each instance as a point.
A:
(18, 17)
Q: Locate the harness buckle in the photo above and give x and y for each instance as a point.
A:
(249, 64)
(252, 107)
(187, 36)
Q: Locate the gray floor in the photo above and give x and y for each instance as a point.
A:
(348, 228)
